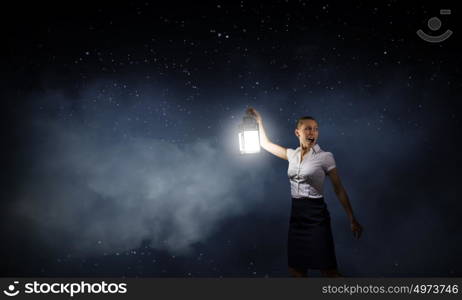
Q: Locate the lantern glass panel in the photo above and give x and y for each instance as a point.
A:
(251, 141)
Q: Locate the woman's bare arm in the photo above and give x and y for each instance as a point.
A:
(266, 144)
(343, 198)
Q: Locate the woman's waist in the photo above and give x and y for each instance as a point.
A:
(308, 198)
(307, 192)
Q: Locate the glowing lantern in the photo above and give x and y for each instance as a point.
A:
(249, 139)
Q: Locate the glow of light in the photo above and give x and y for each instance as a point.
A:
(249, 141)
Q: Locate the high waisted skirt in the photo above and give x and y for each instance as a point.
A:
(310, 242)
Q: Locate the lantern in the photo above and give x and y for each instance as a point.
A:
(249, 139)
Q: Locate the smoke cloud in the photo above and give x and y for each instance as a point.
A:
(100, 193)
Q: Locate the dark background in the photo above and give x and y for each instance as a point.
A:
(119, 127)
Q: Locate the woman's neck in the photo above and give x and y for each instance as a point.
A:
(305, 148)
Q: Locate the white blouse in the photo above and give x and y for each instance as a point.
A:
(307, 178)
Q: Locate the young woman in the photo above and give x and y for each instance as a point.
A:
(310, 242)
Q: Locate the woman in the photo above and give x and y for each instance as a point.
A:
(310, 242)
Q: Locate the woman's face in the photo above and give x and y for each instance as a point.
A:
(307, 132)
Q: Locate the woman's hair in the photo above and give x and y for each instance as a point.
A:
(300, 120)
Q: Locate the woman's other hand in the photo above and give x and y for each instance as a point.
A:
(356, 228)
(254, 113)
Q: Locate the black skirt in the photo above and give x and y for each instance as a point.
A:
(310, 242)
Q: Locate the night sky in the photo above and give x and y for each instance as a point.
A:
(120, 153)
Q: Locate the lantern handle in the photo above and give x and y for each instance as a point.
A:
(253, 113)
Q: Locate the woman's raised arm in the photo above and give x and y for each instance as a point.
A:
(266, 144)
